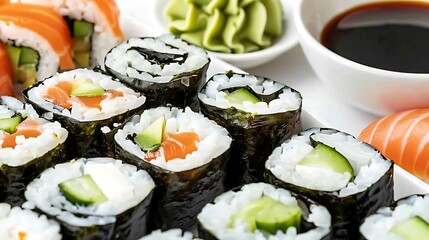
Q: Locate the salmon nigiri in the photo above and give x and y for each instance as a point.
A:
(404, 138)
(6, 83)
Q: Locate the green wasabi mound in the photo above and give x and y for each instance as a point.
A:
(234, 26)
(268, 215)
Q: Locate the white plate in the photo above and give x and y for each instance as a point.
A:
(151, 14)
(320, 109)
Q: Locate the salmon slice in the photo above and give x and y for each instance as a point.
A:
(176, 145)
(27, 128)
(6, 80)
(404, 138)
(111, 13)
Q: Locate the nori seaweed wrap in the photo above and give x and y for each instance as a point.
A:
(262, 211)
(407, 218)
(349, 177)
(85, 101)
(259, 114)
(97, 198)
(166, 69)
(187, 161)
(28, 145)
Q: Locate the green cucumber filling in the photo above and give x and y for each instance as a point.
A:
(86, 88)
(241, 95)
(9, 124)
(268, 215)
(82, 191)
(82, 35)
(414, 228)
(150, 139)
(24, 61)
(325, 157)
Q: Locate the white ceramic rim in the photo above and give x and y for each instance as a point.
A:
(304, 33)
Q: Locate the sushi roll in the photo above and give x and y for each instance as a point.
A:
(349, 177)
(97, 198)
(262, 211)
(172, 234)
(37, 42)
(185, 153)
(22, 224)
(28, 145)
(166, 69)
(259, 114)
(93, 24)
(407, 219)
(85, 101)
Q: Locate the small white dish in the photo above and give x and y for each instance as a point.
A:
(151, 14)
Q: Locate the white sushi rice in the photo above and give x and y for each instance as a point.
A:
(103, 38)
(216, 217)
(52, 135)
(16, 221)
(368, 164)
(214, 140)
(133, 64)
(214, 95)
(49, 61)
(109, 106)
(172, 234)
(377, 226)
(45, 194)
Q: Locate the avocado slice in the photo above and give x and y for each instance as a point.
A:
(240, 95)
(9, 124)
(28, 56)
(323, 156)
(82, 191)
(268, 215)
(414, 228)
(82, 29)
(14, 54)
(86, 88)
(26, 75)
(82, 59)
(150, 139)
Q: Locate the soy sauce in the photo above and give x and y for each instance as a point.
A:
(386, 35)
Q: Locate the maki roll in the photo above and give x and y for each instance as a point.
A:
(93, 24)
(185, 153)
(407, 219)
(259, 114)
(172, 234)
(166, 69)
(349, 177)
(20, 224)
(28, 145)
(262, 211)
(98, 198)
(37, 41)
(85, 101)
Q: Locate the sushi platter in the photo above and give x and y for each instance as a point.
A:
(122, 129)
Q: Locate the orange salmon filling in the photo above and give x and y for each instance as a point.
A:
(28, 128)
(176, 145)
(22, 235)
(60, 96)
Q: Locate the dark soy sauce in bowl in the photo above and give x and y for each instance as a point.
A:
(386, 35)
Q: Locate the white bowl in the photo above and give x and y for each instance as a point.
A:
(156, 22)
(374, 90)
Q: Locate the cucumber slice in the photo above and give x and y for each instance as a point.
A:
(240, 95)
(86, 88)
(82, 29)
(323, 156)
(414, 228)
(278, 217)
(150, 139)
(82, 191)
(14, 54)
(9, 124)
(29, 56)
(268, 215)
